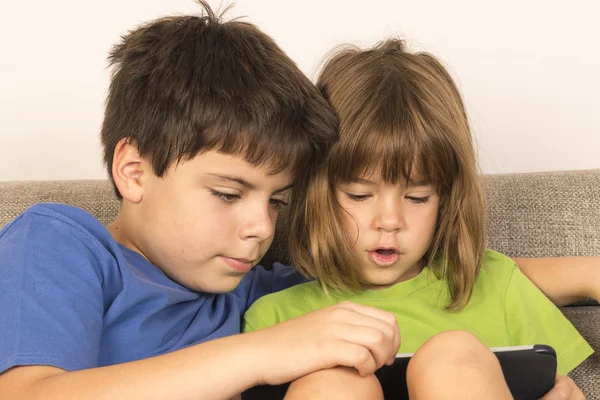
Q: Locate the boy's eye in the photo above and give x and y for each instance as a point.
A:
(357, 197)
(277, 203)
(226, 197)
(418, 200)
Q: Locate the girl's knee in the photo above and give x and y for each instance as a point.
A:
(455, 362)
(335, 383)
(448, 350)
(453, 339)
(452, 344)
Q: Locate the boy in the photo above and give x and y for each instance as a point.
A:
(208, 125)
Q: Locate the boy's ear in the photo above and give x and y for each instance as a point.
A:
(128, 169)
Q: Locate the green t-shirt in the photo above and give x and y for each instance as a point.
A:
(506, 309)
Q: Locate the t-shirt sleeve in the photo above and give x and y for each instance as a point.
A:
(264, 281)
(532, 318)
(51, 305)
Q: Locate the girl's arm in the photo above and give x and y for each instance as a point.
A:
(564, 389)
(564, 280)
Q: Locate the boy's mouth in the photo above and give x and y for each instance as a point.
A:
(239, 264)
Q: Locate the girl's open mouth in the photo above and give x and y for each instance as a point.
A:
(384, 257)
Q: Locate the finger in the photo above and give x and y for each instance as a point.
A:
(385, 316)
(351, 355)
(389, 319)
(380, 338)
(369, 337)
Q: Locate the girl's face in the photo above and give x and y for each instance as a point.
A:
(391, 226)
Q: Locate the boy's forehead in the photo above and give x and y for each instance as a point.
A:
(216, 164)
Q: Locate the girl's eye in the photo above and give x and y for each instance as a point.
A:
(418, 200)
(277, 203)
(357, 197)
(226, 197)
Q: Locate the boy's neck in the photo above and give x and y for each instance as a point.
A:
(121, 231)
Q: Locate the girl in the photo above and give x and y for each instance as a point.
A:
(396, 220)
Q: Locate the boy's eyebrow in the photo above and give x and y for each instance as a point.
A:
(245, 183)
(235, 179)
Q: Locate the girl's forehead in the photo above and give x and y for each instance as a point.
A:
(379, 179)
(413, 173)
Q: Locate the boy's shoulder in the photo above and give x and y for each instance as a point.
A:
(59, 234)
(58, 216)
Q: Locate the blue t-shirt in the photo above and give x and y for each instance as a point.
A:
(73, 298)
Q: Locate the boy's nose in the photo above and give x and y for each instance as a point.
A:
(259, 225)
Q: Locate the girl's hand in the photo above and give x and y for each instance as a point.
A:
(346, 334)
(564, 389)
(596, 289)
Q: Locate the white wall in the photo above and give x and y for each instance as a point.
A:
(527, 68)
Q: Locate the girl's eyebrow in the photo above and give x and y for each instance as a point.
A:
(411, 182)
(418, 182)
(362, 181)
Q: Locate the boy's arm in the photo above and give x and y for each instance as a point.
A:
(345, 334)
(213, 370)
(564, 280)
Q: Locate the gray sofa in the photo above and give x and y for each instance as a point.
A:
(529, 215)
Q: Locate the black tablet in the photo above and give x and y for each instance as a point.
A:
(530, 372)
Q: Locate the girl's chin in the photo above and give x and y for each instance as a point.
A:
(383, 279)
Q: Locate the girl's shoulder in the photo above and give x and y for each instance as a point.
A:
(496, 272)
(497, 263)
(286, 304)
(305, 296)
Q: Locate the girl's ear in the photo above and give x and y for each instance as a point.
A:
(128, 170)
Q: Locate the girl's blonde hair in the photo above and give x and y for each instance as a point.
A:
(400, 113)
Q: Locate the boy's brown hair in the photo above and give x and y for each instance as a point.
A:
(401, 116)
(184, 85)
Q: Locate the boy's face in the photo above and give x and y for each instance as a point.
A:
(391, 226)
(208, 220)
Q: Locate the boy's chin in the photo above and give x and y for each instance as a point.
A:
(224, 284)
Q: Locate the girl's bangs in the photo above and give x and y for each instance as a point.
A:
(397, 155)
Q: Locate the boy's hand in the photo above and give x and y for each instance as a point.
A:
(346, 334)
(564, 389)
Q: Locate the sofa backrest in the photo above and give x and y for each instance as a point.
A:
(529, 215)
